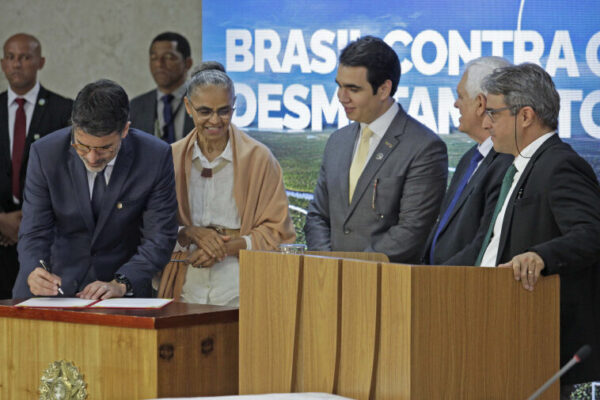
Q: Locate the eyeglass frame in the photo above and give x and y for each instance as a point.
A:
(491, 111)
(224, 113)
(85, 149)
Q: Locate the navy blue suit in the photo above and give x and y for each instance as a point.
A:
(460, 239)
(136, 228)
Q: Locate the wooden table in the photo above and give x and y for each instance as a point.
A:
(179, 350)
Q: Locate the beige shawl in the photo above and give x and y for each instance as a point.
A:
(259, 195)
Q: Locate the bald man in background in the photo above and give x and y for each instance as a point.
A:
(28, 112)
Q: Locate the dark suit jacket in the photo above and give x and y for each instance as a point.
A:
(555, 212)
(460, 239)
(136, 228)
(142, 113)
(51, 112)
(396, 199)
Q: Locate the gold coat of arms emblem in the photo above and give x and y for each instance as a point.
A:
(62, 381)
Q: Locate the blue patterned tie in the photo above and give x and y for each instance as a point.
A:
(506, 184)
(169, 128)
(98, 193)
(477, 156)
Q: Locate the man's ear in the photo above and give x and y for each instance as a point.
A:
(188, 63)
(527, 115)
(125, 130)
(385, 89)
(481, 102)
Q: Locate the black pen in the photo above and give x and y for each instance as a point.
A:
(43, 264)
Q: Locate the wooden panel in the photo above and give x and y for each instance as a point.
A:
(393, 361)
(318, 327)
(476, 334)
(117, 363)
(204, 360)
(360, 316)
(172, 315)
(269, 302)
(355, 255)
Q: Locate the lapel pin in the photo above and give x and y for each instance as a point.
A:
(36, 136)
(379, 156)
(119, 205)
(388, 144)
(41, 102)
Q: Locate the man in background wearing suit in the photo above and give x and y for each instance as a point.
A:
(99, 204)
(27, 112)
(161, 111)
(470, 200)
(547, 218)
(383, 177)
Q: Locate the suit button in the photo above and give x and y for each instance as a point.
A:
(347, 231)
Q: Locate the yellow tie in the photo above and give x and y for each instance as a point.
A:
(360, 159)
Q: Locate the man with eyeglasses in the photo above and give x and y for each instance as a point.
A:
(547, 218)
(161, 111)
(471, 197)
(99, 204)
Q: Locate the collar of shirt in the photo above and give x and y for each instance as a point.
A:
(485, 147)
(381, 124)
(177, 93)
(91, 176)
(227, 154)
(522, 159)
(30, 96)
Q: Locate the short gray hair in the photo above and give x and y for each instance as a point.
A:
(526, 85)
(209, 73)
(478, 69)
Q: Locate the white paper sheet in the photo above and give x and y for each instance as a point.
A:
(124, 302)
(273, 396)
(56, 302)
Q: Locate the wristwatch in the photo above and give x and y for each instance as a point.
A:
(120, 278)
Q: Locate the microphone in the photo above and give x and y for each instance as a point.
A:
(581, 355)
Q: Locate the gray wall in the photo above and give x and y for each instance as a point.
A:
(85, 40)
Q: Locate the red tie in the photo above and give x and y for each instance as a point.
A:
(18, 147)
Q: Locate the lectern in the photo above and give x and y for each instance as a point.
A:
(179, 350)
(382, 331)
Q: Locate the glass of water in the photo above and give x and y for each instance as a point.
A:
(293, 248)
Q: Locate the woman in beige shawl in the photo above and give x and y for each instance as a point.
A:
(230, 193)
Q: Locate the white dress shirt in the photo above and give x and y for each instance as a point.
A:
(379, 127)
(31, 98)
(521, 161)
(212, 203)
(91, 176)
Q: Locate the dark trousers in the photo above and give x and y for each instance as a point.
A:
(9, 267)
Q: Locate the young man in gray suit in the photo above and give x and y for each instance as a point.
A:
(160, 111)
(383, 177)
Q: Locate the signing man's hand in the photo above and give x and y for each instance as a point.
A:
(43, 283)
(103, 290)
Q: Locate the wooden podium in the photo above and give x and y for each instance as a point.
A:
(179, 350)
(369, 330)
